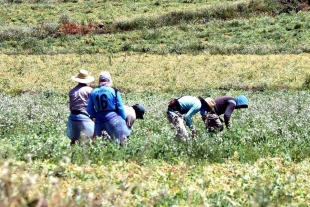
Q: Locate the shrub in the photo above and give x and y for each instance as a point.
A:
(306, 83)
(50, 27)
(273, 6)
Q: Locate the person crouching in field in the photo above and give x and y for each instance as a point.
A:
(181, 108)
(223, 105)
(79, 121)
(134, 112)
(209, 117)
(106, 106)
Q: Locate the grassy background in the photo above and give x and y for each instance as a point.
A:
(263, 159)
(134, 72)
(156, 50)
(157, 27)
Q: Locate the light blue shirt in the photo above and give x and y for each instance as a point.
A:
(191, 105)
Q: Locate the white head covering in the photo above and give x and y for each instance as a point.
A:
(105, 79)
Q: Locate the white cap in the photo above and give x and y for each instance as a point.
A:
(105, 79)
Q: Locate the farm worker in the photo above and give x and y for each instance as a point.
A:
(183, 108)
(223, 105)
(106, 106)
(79, 121)
(134, 112)
(209, 117)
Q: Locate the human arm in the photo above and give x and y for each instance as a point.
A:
(91, 107)
(228, 112)
(188, 116)
(203, 114)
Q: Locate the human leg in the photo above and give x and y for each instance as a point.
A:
(116, 130)
(79, 126)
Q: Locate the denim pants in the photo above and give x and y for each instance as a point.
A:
(79, 125)
(116, 129)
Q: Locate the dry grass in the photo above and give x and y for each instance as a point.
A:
(129, 184)
(144, 72)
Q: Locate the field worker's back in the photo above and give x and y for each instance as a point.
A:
(104, 102)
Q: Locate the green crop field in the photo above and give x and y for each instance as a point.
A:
(156, 50)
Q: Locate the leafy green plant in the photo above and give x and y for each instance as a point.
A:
(220, 29)
(269, 136)
(262, 160)
(306, 84)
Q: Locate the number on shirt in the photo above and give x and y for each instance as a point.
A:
(102, 102)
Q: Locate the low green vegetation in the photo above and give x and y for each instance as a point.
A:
(35, 124)
(181, 27)
(31, 12)
(263, 159)
(156, 50)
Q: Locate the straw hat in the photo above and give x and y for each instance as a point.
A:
(83, 77)
(208, 101)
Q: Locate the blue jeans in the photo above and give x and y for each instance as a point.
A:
(79, 124)
(115, 127)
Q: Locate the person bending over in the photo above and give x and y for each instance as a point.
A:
(106, 106)
(183, 108)
(223, 105)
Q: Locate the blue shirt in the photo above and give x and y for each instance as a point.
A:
(104, 103)
(190, 105)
